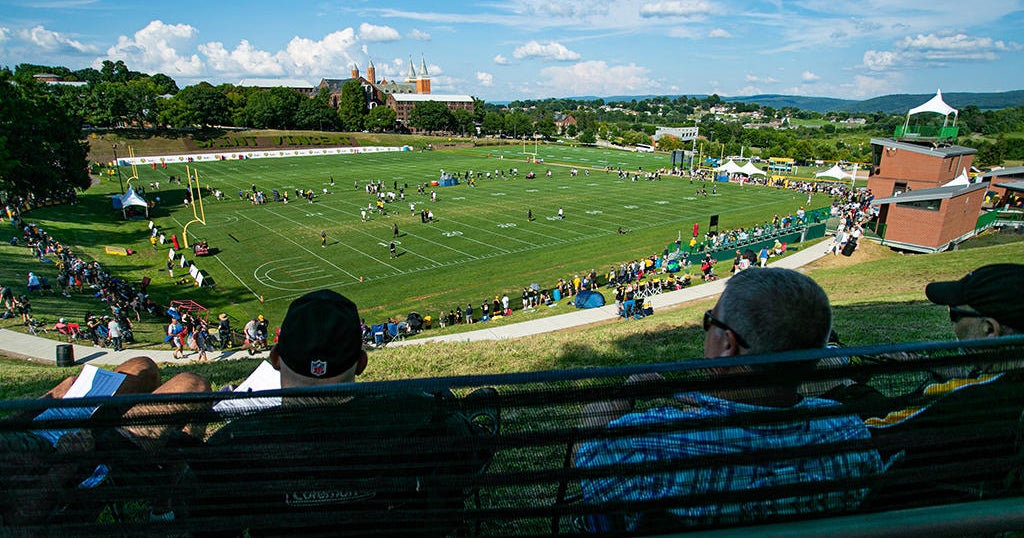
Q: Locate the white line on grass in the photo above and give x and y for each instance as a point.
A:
(289, 239)
(238, 278)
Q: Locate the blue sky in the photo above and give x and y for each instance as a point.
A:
(501, 50)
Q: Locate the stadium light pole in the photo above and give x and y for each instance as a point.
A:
(118, 166)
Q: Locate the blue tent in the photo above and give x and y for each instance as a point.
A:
(588, 299)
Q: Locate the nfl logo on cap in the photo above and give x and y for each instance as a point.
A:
(318, 368)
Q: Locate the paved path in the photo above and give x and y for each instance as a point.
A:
(35, 348)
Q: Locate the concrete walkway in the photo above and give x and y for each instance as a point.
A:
(35, 348)
(607, 312)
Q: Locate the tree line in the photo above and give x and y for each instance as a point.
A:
(42, 123)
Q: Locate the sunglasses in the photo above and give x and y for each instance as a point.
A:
(710, 319)
(956, 314)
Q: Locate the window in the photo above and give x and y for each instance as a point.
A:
(930, 205)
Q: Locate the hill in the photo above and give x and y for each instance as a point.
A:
(889, 104)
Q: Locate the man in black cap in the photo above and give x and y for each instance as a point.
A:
(984, 304)
(313, 461)
(320, 342)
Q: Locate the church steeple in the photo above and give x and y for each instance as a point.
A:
(423, 80)
(371, 73)
(411, 75)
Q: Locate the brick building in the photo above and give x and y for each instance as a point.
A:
(928, 201)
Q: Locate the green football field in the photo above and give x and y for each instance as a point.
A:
(479, 245)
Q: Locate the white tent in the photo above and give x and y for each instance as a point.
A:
(751, 170)
(835, 172)
(962, 179)
(935, 104)
(131, 198)
(729, 168)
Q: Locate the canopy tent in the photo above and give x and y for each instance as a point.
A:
(131, 198)
(936, 105)
(962, 179)
(729, 167)
(751, 170)
(836, 172)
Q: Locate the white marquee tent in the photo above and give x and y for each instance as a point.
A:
(962, 179)
(729, 168)
(751, 170)
(131, 198)
(836, 172)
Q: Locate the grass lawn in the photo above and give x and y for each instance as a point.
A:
(479, 246)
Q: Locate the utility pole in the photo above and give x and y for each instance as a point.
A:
(118, 166)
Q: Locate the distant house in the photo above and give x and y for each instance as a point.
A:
(563, 121)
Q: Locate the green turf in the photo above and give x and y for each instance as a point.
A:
(481, 244)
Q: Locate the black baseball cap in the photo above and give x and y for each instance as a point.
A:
(320, 335)
(994, 291)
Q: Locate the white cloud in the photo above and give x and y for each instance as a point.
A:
(158, 48)
(807, 76)
(759, 79)
(879, 60)
(501, 60)
(372, 33)
(50, 41)
(314, 58)
(595, 77)
(485, 79)
(244, 61)
(418, 35)
(936, 50)
(549, 51)
(676, 8)
(568, 9)
(719, 33)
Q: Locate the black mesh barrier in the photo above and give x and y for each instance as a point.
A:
(679, 447)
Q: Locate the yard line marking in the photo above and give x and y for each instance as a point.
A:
(307, 250)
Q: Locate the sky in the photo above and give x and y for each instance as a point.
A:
(502, 50)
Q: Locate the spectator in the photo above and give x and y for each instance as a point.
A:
(224, 331)
(984, 304)
(138, 434)
(320, 344)
(114, 333)
(741, 323)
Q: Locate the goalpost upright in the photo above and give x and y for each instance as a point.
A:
(196, 195)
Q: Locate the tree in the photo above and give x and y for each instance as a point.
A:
(588, 136)
(206, 106)
(352, 106)
(463, 121)
(493, 123)
(518, 124)
(272, 109)
(380, 119)
(41, 151)
(316, 113)
(431, 116)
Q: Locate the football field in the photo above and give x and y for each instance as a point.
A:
(480, 244)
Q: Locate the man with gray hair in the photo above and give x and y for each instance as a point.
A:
(761, 311)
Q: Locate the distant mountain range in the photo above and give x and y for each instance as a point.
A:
(889, 104)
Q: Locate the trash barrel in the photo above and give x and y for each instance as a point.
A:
(65, 355)
(556, 294)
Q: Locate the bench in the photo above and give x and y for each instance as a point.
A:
(451, 456)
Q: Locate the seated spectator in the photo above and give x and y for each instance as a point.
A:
(34, 454)
(984, 304)
(320, 344)
(741, 323)
(72, 331)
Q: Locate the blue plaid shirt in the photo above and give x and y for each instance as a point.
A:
(724, 479)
